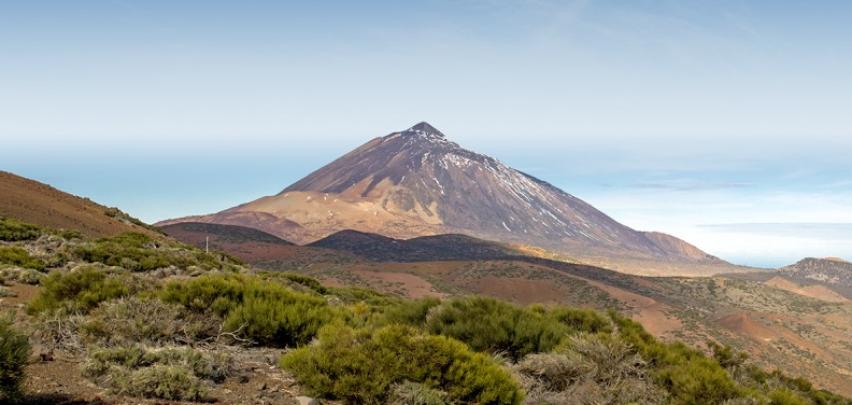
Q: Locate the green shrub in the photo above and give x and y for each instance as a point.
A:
(409, 312)
(361, 366)
(14, 352)
(13, 231)
(783, 396)
(486, 324)
(687, 374)
(264, 312)
(784, 388)
(82, 289)
(352, 295)
(726, 356)
(298, 279)
(17, 256)
(582, 320)
(139, 252)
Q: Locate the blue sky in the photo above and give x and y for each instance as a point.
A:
(726, 122)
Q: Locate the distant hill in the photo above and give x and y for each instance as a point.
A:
(197, 232)
(425, 248)
(250, 245)
(37, 203)
(831, 272)
(416, 182)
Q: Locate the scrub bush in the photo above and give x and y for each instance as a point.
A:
(139, 252)
(265, 312)
(170, 373)
(82, 289)
(362, 366)
(12, 230)
(17, 256)
(489, 325)
(14, 352)
(145, 320)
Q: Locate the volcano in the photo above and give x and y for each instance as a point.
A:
(416, 182)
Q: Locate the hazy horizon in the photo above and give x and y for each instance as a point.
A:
(725, 124)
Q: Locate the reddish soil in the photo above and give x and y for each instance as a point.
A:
(40, 204)
(647, 311)
(405, 284)
(817, 291)
(742, 324)
(519, 290)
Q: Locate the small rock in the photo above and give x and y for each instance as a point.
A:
(307, 401)
(39, 354)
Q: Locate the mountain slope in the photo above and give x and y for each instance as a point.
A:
(416, 183)
(37, 203)
(831, 272)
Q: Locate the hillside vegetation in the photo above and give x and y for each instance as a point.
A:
(148, 318)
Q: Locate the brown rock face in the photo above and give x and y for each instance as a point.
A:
(416, 182)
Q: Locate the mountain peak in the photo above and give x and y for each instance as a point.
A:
(425, 129)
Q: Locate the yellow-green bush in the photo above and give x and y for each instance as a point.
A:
(581, 320)
(17, 256)
(14, 351)
(265, 312)
(12, 230)
(361, 366)
(486, 324)
(83, 288)
(687, 374)
(409, 312)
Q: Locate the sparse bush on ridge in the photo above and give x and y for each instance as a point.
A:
(120, 215)
(361, 366)
(14, 352)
